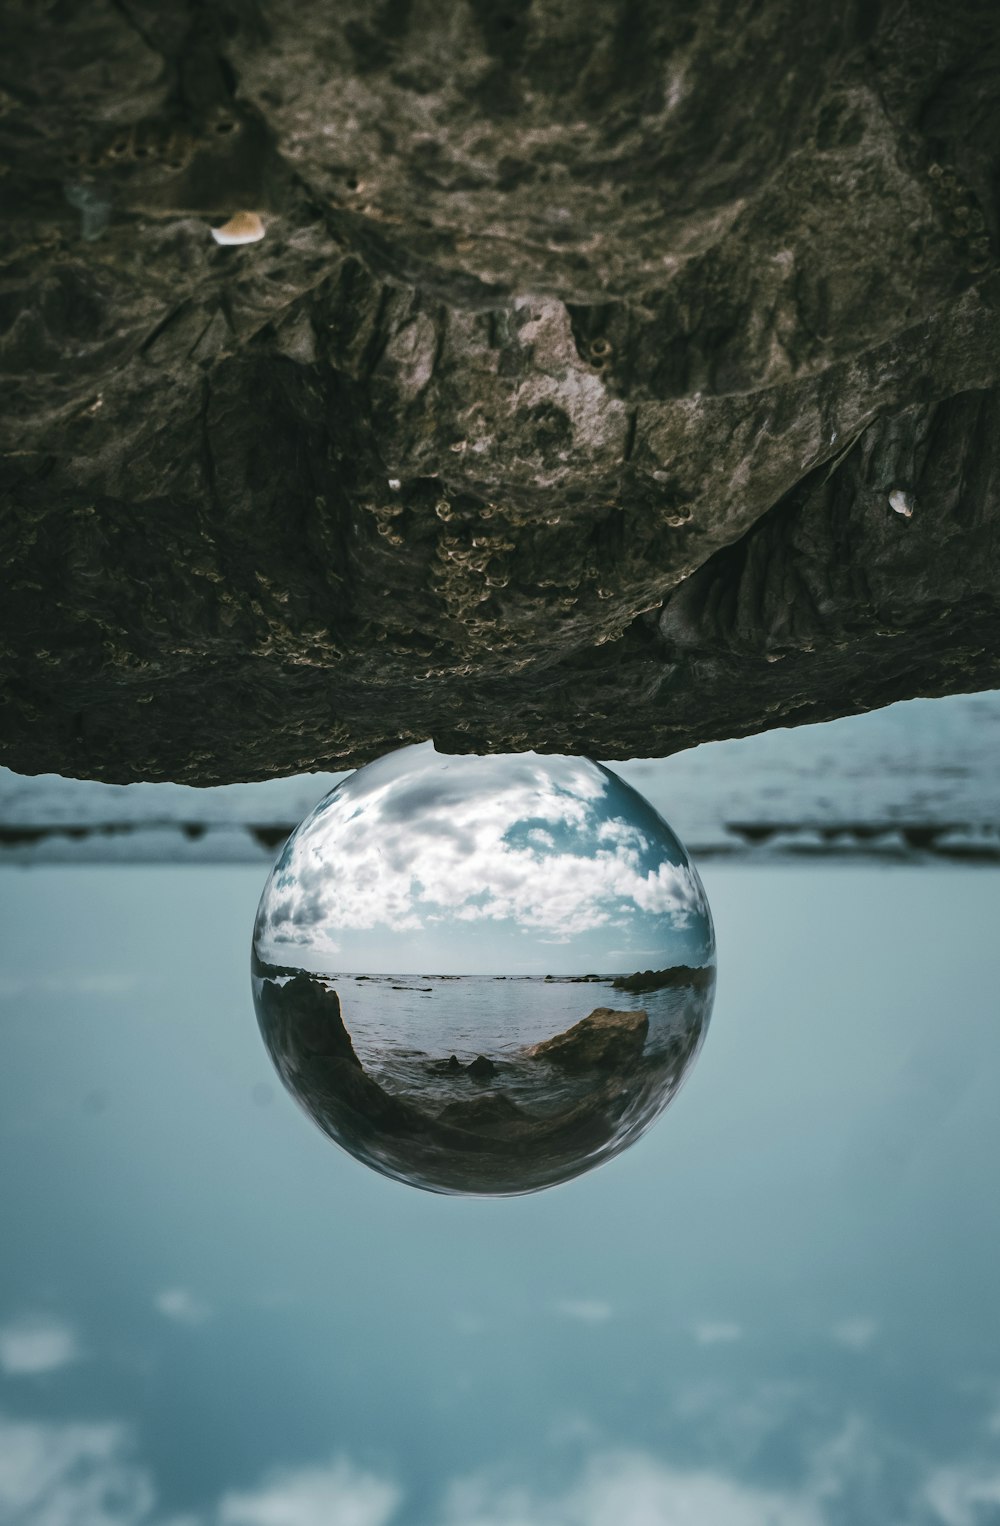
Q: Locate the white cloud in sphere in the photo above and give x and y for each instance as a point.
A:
(529, 841)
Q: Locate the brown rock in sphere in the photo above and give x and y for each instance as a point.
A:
(606, 1040)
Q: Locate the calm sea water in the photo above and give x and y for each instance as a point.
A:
(392, 1016)
(523, 1124)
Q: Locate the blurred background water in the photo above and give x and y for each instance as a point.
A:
(913, 779)
(777, 1309)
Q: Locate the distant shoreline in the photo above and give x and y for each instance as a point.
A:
(672, 976)
(26, 844)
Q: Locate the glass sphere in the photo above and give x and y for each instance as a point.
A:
(483, 974)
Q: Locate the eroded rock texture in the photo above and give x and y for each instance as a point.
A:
(559, 407)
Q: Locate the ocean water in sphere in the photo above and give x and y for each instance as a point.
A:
(483, 974)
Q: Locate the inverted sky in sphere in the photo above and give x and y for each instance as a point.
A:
(507, 865)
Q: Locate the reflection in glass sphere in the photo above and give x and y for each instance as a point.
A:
(483, 974)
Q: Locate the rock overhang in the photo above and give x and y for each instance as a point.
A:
(562, 405)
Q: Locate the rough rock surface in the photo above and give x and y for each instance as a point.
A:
(559, 407)
(606, 1040)
(315, 1011)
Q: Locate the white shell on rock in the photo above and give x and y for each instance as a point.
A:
(902, 502)
(242, 228)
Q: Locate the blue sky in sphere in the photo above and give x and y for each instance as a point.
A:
(468, 865)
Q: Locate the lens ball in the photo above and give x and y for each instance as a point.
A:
(483, 974)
